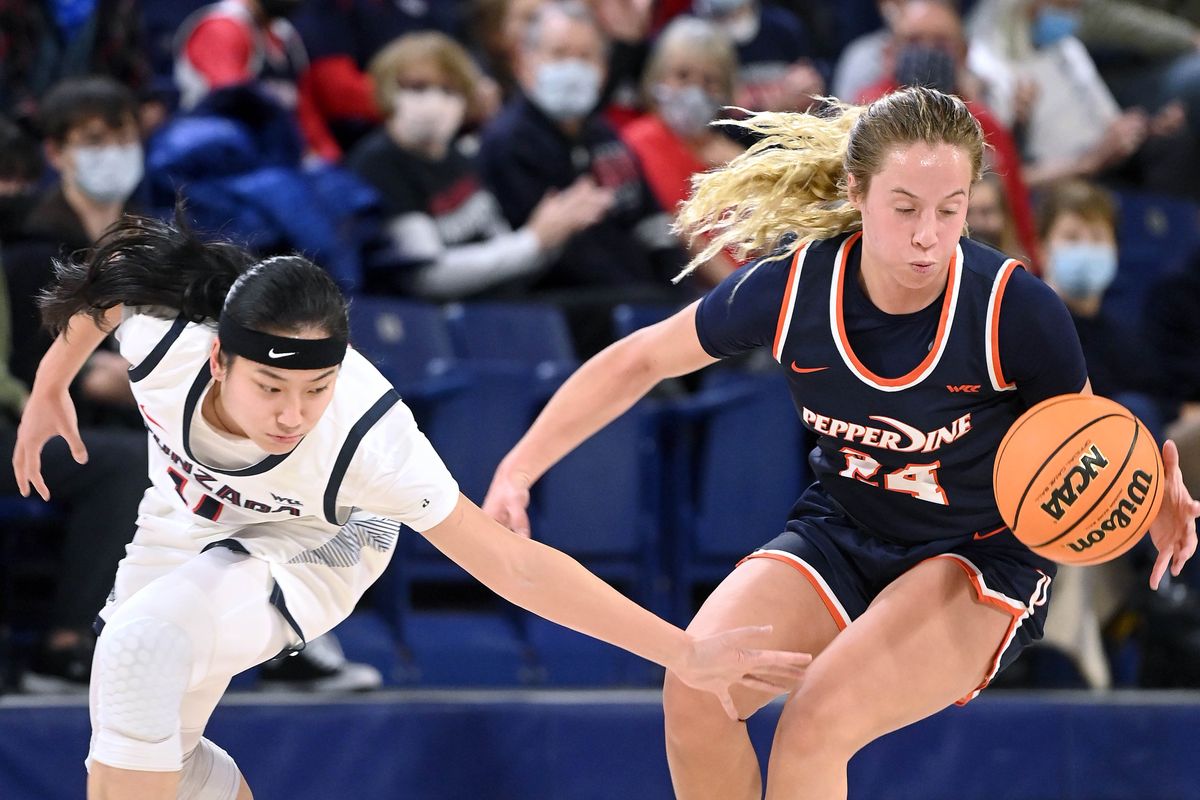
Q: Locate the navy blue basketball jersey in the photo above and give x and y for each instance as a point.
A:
(908, 409)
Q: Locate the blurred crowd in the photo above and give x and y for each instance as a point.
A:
(535, 150)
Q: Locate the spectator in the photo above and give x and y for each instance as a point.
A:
(689, 78)
(989, 218)
(1042, 81)
(92, 141)
(42, 43)
(235, 42)
(928, 48)
(99, 499)
(498, 30)
(342, 36)
(550, 135)
(861, 63)
(1150, 52)
(445, 229)
(1078, 223)
(776, 68)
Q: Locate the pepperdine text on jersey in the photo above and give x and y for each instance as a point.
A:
(904, 439)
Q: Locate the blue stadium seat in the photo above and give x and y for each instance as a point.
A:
(602, 505)
(740, 465)
(525, 334)
(630, 317)
(1155, 235)
(410, 343)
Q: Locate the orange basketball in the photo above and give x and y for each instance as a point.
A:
(1078, 479)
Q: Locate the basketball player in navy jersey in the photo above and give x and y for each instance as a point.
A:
(909, 352)
(282, 464)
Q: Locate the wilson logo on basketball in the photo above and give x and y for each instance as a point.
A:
(1121, 516)
(1075, 482)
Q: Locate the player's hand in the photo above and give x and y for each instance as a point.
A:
(1174, 529)
(507, 501)
(718, 663)
(45, 416)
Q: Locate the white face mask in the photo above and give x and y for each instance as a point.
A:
(686, 109)
(427, 117)
(108, 173)
(566, 89)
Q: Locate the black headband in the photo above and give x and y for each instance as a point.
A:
(280, 351)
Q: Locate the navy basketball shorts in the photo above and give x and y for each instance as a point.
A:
(849, 566)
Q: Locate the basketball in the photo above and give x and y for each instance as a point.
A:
(1078, 479)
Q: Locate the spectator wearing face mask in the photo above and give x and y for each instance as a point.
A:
(92, 140)
(448, 238)
(1077, 221)
(928, 48)
(1041, 81)
(688, 79)
(548, 137)
(776, 68)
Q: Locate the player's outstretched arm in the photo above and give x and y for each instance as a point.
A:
(605, 387)
(555, 586)
(50, 412)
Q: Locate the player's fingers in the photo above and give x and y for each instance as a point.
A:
(39, 483)
(75, 442)
(784, 660)
(1182, 554)
(770, 686)
(1160, 567)
(1170, 456)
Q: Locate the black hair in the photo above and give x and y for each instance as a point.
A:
(142, 261)
(20, 156)
(74, 101)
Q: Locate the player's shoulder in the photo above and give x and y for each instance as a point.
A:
(984, 261)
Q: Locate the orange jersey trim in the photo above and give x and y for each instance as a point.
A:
(994, 325)
(785, 310)
(935, 349)
(830, 604)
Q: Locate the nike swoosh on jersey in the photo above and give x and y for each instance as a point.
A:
(273, 354)
(990, 534)
(806, 370)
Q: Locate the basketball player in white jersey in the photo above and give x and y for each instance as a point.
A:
(282, 465)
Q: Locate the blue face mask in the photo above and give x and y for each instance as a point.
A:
(567, 89)
(1082, 270)
(1053, 24)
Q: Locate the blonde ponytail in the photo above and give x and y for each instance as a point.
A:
(790, 187)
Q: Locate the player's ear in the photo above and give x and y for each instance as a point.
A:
(216, 361)
(854, 191)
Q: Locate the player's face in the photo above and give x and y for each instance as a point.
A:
(274, 408)
(913, 213)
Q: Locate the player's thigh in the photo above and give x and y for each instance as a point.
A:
(767, 592)
(925, 642)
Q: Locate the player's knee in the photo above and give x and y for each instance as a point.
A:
(209, 773)
(816, 721)
(143, 666)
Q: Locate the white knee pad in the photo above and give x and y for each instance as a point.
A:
(143, 669)
(209, 773)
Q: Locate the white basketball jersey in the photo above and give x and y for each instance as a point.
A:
(326, 516)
